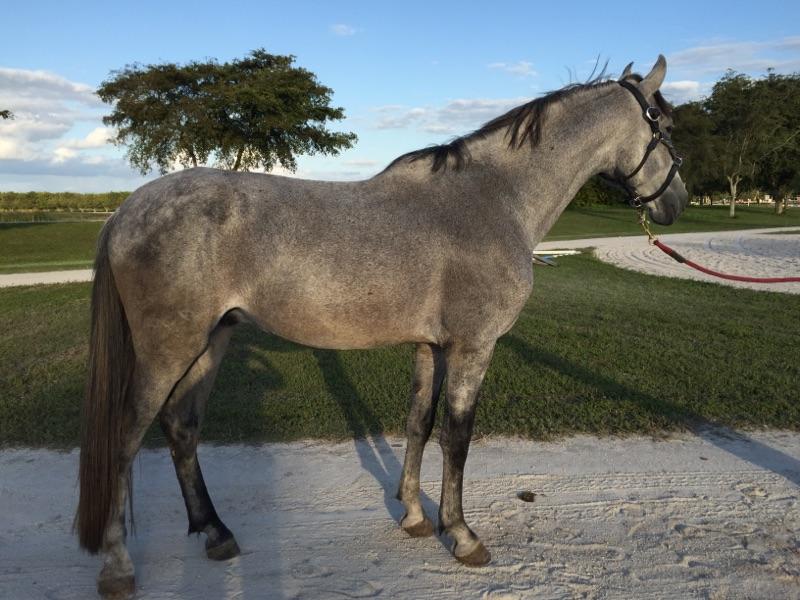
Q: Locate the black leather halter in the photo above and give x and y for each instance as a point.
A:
(651, 115)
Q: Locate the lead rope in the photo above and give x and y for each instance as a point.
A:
(654, 241)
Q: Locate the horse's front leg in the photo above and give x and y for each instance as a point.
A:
(425, 388)
(466, 366)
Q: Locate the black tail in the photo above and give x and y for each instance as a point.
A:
(106, 404)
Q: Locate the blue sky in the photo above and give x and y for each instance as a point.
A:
(407, 73)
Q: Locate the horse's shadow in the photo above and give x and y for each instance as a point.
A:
(376, 455)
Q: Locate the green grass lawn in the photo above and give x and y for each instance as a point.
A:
(597, 349)
(28, 247)
(607, 221)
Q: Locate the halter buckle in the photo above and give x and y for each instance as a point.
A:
(636, 202)
(652, 113)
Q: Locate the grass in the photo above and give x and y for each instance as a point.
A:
(50, 216)
(597, 349)
(608, 221)
(28, 247)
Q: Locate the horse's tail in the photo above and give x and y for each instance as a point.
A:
(106, 403)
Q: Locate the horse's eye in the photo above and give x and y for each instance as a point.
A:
(669, 129)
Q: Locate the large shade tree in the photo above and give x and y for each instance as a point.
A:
(777, 171)
(257, 112)
(6, 114)
(737, 128)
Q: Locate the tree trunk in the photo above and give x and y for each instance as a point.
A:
(193, 157)
(780, 205)
(733, 180)
(238, 162)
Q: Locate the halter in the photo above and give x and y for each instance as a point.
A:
(651, 115)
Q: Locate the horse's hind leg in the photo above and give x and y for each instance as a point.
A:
(426, 385)
(181, 419)
(151, 386)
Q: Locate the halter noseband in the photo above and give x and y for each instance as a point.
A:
(651, 115)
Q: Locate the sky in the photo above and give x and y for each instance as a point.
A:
(408, 74)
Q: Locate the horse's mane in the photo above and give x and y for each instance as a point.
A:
(522, 124)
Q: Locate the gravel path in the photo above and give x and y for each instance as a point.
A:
(773, 252)
(16, 279)
(713, 515)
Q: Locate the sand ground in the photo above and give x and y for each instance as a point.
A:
(773, 252)
(706, 515)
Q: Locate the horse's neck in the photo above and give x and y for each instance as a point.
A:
(578, 140)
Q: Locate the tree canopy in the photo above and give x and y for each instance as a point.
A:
(257, 112)
(6, 114)
(745, 132)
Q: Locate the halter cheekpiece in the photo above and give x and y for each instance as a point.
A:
(651, 115)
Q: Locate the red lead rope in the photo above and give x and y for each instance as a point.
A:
(670, 252)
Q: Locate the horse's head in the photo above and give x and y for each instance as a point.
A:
(647, 165)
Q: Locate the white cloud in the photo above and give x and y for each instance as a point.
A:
(361, 162)
(521, 68)
(96, 138)
(68, 166)
(457, 116)
(47, 107)
(343, 30)
(749, 57)
(43, 85)
(686, 90)
(63, 154)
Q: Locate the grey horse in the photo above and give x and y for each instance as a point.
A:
(435, 250)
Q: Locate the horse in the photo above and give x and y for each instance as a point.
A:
(435, 250)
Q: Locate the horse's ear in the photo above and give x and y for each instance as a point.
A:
(626, 71)
(655, 78)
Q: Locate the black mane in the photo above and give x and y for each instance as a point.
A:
(522, 124)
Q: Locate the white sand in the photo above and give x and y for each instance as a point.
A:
(771, 252)
(708, 516)
(16, 279)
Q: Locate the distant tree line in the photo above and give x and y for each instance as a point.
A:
(107, 201)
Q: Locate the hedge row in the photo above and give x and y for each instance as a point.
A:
(107, 201)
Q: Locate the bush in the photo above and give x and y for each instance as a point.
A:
(596, 191)
(107, 201)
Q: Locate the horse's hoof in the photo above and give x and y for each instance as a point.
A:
(117, 588)
(223, 549)
(479, 557)
(422, 529)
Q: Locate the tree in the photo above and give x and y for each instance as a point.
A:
(752, 129)
(738, 127)
(6, 114)
(259, 111)
(778, 169)
(695, 142)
